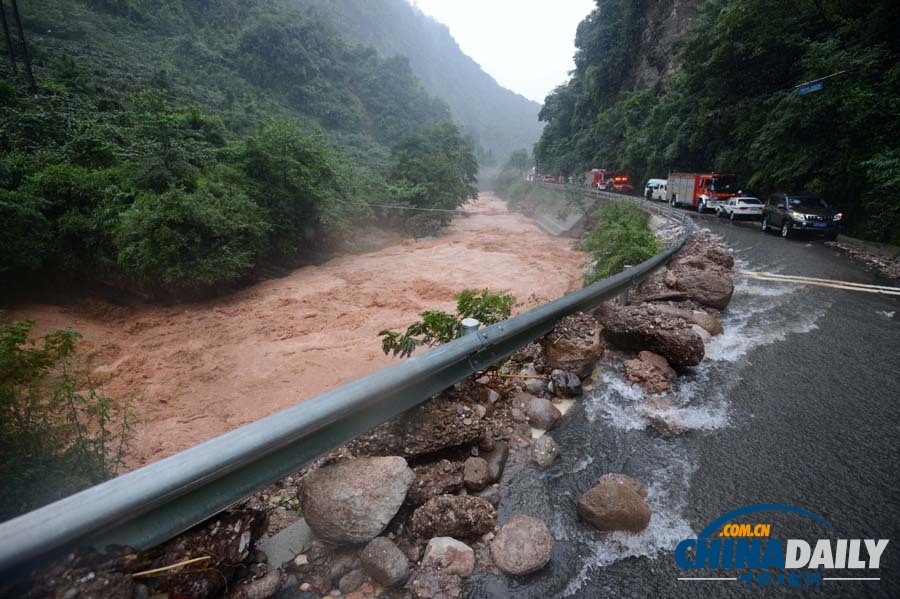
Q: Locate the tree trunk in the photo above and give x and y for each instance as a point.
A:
(32, 85)
(9, 43)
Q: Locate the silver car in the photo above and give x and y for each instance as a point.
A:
(741, 207)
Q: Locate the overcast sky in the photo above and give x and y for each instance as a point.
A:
(526, 45)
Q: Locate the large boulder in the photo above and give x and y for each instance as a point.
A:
(709, 322)
(523, 545)
(575, 344)
(642, 328)
(457, 516)
(449, 556)
(354, 500)
(615, 503)
(433, 426)
(703, 281)
(706, 287)
(384, 562)
(437, 478)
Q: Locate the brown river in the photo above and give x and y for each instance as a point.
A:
(198, 370)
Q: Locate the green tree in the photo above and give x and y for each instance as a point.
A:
(58, 434)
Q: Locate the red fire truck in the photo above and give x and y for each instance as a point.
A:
(703, 191)
(599, 178)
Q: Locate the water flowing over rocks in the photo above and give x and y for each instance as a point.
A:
(650, 371)
(523, 545)
(615, 503)
(354, 500)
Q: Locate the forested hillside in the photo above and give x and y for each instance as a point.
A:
(501, 121)
(178, 145)
(731, 104)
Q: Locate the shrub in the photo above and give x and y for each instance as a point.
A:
(438, 327)
(623, 236)
(58, 434)
(180, 240)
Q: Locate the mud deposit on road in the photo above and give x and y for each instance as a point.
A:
(205, 368)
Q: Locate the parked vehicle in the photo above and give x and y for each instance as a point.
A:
(603, 179)
(795, 213)
(703, 191)
(655, 189)
(741, 207)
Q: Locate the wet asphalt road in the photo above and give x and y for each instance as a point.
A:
(798, 403)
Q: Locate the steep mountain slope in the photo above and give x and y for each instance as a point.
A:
(499, 119)
(712, 85)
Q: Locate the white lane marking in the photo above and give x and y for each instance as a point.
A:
(765, 276)
(818, 280)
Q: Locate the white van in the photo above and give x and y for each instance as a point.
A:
(656, 189)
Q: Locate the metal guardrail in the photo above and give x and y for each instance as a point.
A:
(150, 505)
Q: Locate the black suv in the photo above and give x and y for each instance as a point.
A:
(791, 213)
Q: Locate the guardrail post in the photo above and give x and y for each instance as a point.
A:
(469, 326)
(623, 297)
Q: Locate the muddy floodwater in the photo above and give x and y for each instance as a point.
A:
(201, 369)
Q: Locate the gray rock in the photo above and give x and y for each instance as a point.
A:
(542, 413)
(449, 556)
(351, 581)
(454, 516)
(492, 494)
(432, 584)
(544, 451)
(615, 503)
(535, 386)
(522, 546)
(565, 383)
(354, 500)
(342, 564)
(261, 588)
(384, 562)
(496, 460)
(284, 545)
(476, 474)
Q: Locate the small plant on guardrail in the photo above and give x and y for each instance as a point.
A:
(58, 433)
(623, 236)
(438, 327)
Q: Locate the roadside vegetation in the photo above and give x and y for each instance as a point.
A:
(438, 327)
(58, 433)
(180, 150)
(622, 237)
(732, 105)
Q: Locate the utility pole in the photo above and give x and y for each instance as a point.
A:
(32, 85)
(9, 43)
